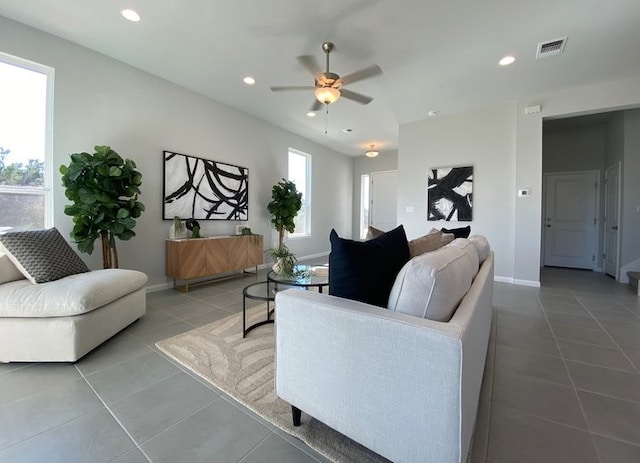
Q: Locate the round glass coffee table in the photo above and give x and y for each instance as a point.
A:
(259, 292)
(306, 280)
(266, 291)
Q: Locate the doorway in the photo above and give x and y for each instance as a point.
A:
(571, 219)
(384, 197)
(612, 221)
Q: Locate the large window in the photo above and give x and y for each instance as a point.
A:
(365, 181)
(26, 95)
(300, 174)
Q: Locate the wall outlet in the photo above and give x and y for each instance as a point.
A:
(409, 209)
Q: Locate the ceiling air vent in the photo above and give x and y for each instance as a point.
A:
(551, 48)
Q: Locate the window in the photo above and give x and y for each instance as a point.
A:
(26, 93)
(300, 174)
(364, 205)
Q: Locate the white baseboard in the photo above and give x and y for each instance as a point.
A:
(160, 287)
(514, 281)
(532, 283)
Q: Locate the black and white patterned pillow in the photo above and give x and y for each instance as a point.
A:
(42, 255)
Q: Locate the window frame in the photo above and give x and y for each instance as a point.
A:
(47, 188)
(306, 195)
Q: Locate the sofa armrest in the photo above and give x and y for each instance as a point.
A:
(371, 374)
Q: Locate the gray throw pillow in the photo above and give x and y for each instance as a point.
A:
(42, 255)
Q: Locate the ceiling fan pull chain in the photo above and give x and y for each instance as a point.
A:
(326, 119)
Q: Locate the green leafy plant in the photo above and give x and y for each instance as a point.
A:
(285, 261)
(285, 204)
(104, 191)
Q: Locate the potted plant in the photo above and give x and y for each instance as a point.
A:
(284, 261)
(177, 230)
(285, 203)
(104, 191)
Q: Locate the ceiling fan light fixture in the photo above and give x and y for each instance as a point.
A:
(131, 15)
(327, 95)
(371, 153)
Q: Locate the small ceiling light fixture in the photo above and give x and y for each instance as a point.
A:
(327, 95)
(131, 15)
(311, 114)
(249, 80)
(371, 153)
(432, 113)
(507, 60)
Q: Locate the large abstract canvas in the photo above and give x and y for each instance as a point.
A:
(450, 194)
(204, 189)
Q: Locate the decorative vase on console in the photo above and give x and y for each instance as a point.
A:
(177, 230)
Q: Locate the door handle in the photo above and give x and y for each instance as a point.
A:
(615, 227)
(548, 226)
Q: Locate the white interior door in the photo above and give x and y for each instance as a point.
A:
(612, 221)
(384, 200)
(570, 219)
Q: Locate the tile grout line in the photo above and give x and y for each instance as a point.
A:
(637, 370)
(573, 385)
(113, 415)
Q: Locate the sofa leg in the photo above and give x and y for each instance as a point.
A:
(297, 414)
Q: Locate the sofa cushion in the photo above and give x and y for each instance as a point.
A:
(462, 232)
(433, 284)
(365, 270)
(482, 246)
(373, 232)
(72, 295)
(42, 255)
(468, 247)
(426, 243)
(8, 271)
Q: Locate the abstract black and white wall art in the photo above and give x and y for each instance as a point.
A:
(450, 194)
(202, 189)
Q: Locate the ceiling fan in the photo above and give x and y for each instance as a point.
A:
(328, 85)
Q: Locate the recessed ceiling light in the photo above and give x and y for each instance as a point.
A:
(249, 80)
(507, 60)
(432, 113)
(311, 114)
(346, 130)
(131, 15)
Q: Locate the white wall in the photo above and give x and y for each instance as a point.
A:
(99, 100)
(630, 245)
(484, 139)
(387, 160)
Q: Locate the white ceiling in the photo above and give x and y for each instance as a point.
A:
(437, 55)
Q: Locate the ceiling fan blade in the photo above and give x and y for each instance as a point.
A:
(362, 74)
(357, 97)
(316, 106)
(310, 62)
(292, 87)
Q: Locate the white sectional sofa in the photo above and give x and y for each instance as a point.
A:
(404, 386)
(62, 319)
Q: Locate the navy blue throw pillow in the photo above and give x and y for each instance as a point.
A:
(462, 232)
(366, 270)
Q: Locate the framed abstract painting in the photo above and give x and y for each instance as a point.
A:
(203, 189)
(450, 194)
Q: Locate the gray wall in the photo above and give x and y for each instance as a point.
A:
(387, 160)
(630, 245)
(484, 139)
(99, 100)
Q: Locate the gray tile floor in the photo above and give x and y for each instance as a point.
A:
(562, 384)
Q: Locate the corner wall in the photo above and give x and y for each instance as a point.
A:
(99, 100)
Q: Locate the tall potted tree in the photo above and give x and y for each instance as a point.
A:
(285, 204)
(104, 190)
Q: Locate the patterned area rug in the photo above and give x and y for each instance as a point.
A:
(244, 369)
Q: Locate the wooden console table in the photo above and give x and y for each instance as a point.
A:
(188, 259)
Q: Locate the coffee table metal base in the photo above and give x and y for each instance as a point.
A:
(260, 292)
